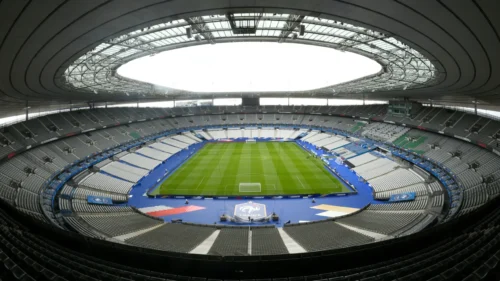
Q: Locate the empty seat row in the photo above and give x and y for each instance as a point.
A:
(420, 190)
(420, 203)
(383, 222)
(395, 179)
(173, 237)
(141, 161)
(82, 206)
(116, 224)
(325, 235)
(106, 183)
(83, 193)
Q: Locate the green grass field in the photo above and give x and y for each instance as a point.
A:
(280, 168)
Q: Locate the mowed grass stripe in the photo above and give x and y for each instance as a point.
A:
(243, 173)
(217, 181)
(211, 184)
(191, 173)
(312, 177)
(258, 174)
(325, 184)
(281, 168)
(297, 177)
(240, 169)
(269, 169)
(207, 186)
(286, 171)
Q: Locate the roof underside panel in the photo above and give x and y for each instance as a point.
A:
(69, 50)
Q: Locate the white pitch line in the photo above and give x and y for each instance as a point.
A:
(303, 187)
(200, 182)
(274, 186)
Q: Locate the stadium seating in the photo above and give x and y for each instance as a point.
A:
(325, 235)
(23, 177)
(336, 144)
(173, 237)
(384, 222)
(420, 189)
(343, 152)
(204, 134)
(362, 159)
(231, 241)
(420, 203)
(310, 135)
(185, 139)
(287, 134)
(83, 193)
(119, 223)
(422, 263)
(384, 132)
(395, 179)
(140, 161)
(175, 143)
(106, 183)
(376, 168)
(79, 225)
(81, 206)
(125, 171)
(267, 241)
(165, 148)
(153, 153)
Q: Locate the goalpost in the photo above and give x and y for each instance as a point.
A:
(250, 187)
(252, 141)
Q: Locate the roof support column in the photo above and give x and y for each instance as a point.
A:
(27, 110)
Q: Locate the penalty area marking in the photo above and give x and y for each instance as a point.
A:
(254, 174)
(252, 187)
(267, 186)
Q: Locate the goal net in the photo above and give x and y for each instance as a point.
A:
(251, 141)
(250, 187)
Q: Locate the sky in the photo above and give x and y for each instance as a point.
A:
(249, 67)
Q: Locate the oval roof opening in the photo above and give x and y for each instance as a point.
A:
(250, 67)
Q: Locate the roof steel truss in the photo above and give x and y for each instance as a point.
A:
(403, 67)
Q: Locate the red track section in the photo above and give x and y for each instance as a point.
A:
(175, 211)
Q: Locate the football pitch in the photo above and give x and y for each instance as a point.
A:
(262, 168)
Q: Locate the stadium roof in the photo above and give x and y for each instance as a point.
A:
(404, 67)
(56, 52)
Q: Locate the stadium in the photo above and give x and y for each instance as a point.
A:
(249, 140)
